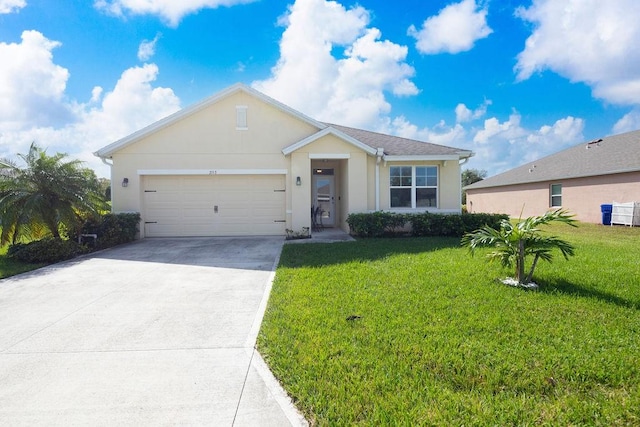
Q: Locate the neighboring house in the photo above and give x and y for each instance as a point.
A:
(241, 163)
(580, 179)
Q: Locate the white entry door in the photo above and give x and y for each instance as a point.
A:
(323, 197)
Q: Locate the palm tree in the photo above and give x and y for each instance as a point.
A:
(514, 243)
(45, 194)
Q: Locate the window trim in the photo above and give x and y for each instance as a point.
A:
(553, 195)
(415, 187)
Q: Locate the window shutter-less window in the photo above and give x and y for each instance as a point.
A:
(556, 195)
(413, 187)
(241, 117)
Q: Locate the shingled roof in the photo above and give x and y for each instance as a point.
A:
(603, 156)
(397, 146)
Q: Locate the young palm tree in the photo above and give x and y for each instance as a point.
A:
(514, 243)
(44, 194)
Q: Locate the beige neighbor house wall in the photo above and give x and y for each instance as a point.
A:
(448, 185)
(581, 196)
(208, 140)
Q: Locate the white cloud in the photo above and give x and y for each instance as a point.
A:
(31, 86)
(349, 90)
(455, 29)
(132, 104)
(96, 93)
(171, 11)
(11, 6)
(628, 122)
(509, 130)
(464, 114)
(590, 41)
(441, 133)
(504, 145)
(147, 48)
(564, 130)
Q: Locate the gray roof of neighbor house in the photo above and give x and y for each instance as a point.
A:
(397, 146)
(603, 156)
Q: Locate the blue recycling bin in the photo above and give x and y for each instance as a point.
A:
(606, 214)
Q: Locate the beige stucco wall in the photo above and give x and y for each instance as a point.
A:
(300, 212)
(208, 140)
(448, 184)
(582, 196)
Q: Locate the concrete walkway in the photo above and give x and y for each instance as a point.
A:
(157, 332)
(325, 235)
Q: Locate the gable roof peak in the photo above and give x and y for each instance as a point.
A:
(108, 150)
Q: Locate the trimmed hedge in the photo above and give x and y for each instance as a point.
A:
(48, 250)
(112, 229)
(377, 224)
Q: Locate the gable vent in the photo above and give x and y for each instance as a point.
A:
(241, 117)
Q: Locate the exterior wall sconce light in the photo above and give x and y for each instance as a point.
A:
(298, 181)
(125, 182)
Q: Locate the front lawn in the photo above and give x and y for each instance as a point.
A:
(11, 267)
(416, 332)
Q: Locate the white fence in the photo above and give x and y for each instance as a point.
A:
(626, 214)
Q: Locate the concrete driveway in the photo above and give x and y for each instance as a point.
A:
(157, 332)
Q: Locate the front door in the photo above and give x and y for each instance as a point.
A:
(323, 197)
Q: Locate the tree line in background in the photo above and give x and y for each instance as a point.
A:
(469, 176)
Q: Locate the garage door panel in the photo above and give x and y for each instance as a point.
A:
(184, 205)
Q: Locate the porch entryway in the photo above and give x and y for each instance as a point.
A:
(327, 177)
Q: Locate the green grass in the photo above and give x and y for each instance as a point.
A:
(10, 267)
(440, 342)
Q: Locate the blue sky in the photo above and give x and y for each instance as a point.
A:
(512, 80)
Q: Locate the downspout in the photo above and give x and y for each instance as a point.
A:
(379, 154)
(464, 161)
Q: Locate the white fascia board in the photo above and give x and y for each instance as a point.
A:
(180, 114)
(329, 156)
(212, 172)
(420, 158)
(324, 132)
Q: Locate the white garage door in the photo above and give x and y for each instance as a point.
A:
(217, 205)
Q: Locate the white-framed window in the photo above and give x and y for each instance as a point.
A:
(413, 187)
(241, 117)
(555, 195)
